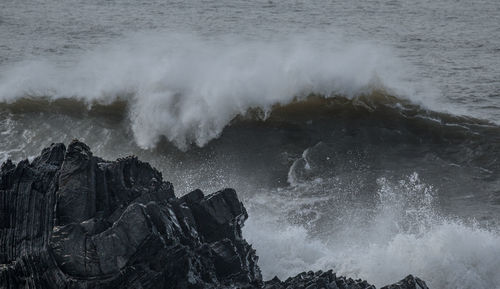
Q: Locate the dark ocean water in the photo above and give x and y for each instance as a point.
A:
(362, 137)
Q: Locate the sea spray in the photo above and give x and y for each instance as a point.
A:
(402, 233)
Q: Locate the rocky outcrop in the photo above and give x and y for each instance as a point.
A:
(329, 280)
(69, 219)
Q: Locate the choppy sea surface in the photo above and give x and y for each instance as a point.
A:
(361, 136)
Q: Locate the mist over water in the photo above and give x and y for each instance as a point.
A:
(361, 137)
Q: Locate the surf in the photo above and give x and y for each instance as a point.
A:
(188, 88)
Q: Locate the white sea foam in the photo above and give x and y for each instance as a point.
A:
(188, 88)
(403, 235)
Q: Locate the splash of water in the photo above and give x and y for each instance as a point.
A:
(403, 233)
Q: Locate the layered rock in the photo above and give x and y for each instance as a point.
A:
(69, 219)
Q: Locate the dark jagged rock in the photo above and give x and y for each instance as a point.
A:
(409, 282)
(69, 219)
(329, 280)
(317, 280)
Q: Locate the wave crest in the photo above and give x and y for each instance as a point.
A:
(188, 89)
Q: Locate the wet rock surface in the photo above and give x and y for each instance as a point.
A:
(69, 219)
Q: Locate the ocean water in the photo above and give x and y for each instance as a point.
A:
(361, 136)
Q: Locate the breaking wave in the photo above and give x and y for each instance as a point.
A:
(188, 89)
(321, 138)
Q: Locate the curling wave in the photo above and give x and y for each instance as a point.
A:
(189, 89)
